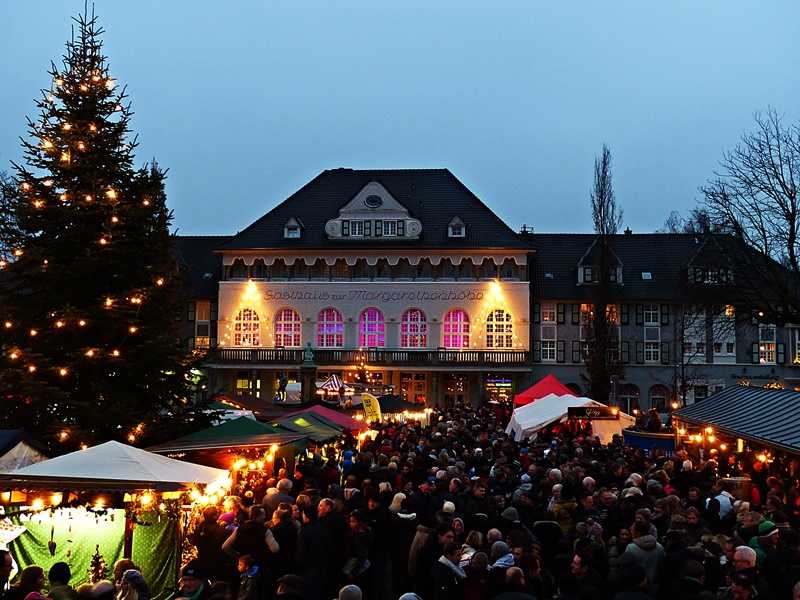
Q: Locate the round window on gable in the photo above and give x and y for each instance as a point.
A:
(373, 201)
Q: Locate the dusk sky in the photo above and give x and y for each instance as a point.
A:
(244, 102)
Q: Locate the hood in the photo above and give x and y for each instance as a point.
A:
(645, 542)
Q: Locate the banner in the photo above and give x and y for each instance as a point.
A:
(372, 409)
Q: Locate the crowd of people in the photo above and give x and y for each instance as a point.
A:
(456, 510)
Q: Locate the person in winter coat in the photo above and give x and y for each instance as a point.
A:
(446, 573)
(645, 550)
(251, 585)
(564, 508)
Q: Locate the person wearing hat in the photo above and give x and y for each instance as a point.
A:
(193, 583)
(59, 577)
(291, 587)
(132, 586)
(765, 542)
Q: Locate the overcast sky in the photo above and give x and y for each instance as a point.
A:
(244, 102)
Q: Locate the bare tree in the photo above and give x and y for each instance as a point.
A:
(755, 197)
(606, 215)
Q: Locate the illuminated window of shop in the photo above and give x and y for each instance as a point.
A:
(414, 329)
(456, 329)
(246, 328)
(413, 386)
(499, 329)
(330, 328)
(371, 329)
(242, 382)
(287, 328)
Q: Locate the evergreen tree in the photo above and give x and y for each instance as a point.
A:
(89, 287)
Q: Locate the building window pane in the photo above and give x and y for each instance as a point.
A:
(371, 329)
(330, 328)
(287, 328)
(499, 329)
(414, 329)
(456, 329)
(246, 330)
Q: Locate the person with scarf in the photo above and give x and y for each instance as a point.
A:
(446, 573)
(502, 560)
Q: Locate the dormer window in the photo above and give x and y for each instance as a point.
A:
(456, 228)
(588, 274)
(292, 229)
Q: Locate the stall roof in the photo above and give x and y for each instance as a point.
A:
(309, 425)
(111, 466)
(342, 420)
(391, 403)
(763, 415)
(548, 385)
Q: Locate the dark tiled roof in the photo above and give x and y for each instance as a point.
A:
(202, 267)
(663, 255)
(434, 196)
(758, 414)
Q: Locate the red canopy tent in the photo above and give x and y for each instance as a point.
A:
(548, 385)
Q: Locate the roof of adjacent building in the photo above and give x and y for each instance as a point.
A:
(762, 415)
(433, 196)
(653, 264)
(201, 266)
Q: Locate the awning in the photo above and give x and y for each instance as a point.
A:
(762, 415)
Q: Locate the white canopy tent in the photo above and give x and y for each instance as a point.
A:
(113, 466)
(528, 420)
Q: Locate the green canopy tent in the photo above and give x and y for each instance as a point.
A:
(311, 425)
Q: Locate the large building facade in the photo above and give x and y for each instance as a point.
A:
(403, 281)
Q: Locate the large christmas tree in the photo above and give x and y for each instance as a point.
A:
(89, 288)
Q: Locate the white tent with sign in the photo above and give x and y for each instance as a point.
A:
(528, 420)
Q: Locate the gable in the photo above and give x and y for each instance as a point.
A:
(376, 214)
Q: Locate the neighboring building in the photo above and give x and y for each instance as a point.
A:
(682, 331)
(401, 280)
(404, 281)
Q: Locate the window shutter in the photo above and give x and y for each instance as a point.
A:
(781, 358)
(576, 314)
(213, 315)
(192, 306)
(576, 351)
(367, 228)
(623, 314)
(401, 228)
(345, 228)
(560, 351)
(624, 352)
(378, 228)
(664, 353)
(537, 351)
(639, 353)
(665, 314)
(754, 353)
(640, 314)
(536, 317)
(560, 308)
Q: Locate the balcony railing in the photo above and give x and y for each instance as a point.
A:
(325, 357)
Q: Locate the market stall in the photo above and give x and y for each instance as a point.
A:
(545, 387)
(110, 500)
(528, 420)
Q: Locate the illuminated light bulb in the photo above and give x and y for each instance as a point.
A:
(63, 197)
(273, 448)
(59, 82)
(162, 507)
(8, 324)
(103, 241)
(13, 356)
(711, 438)
(34, 332)
(26, 186)
(115, 353)
(81, 146)
(47, 144)
(709, 430)
(159, 281)
(62, 372)
(38, 504)
(132, 329)
(136, 300)
(109, 302)
(252, 466)
(47, 183)
(63, 435)
(146, 202)
(114, 220)
(682, 431)
(38, 203)
(131, 438)
(90, 353)
(95, 77)
(146, 499)
(32, 368)
(84, 447)
(88, 197)
(723, 446)
(64, 157)
(81, 322)
(84, 87)
(110, 84)
(111, 194)
(66, 126)
(118, 107)
(762, 457)
(51, 98)
(260, 464)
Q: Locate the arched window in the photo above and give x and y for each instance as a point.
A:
(246, 329)
(456, 329)
(414, 329)
(330, 328)
(658, 396)
(371, 329)
(287, 328)
(499, 329)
